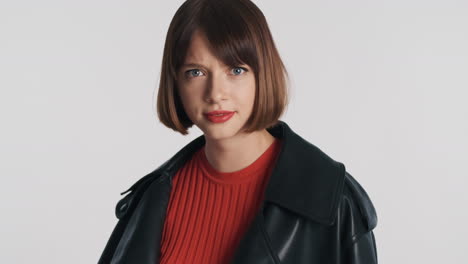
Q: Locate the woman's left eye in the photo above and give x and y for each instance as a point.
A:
(238, 70)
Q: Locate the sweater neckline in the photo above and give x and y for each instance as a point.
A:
(240, 176)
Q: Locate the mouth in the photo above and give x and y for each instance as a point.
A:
(219, 116)
(218, 113)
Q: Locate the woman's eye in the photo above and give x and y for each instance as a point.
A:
(196, 71)
(238, 70)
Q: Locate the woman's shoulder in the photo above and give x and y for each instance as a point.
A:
(356, 205)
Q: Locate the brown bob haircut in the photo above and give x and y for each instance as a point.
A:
(239, 34)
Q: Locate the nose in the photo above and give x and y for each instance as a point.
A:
(216, 89)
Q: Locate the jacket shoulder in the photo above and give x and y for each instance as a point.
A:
(358, 205)
(126, 204)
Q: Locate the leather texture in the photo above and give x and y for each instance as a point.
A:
(313, 211)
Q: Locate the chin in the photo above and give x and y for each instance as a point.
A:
(220, 132)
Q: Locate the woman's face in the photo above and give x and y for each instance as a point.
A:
(205, 84)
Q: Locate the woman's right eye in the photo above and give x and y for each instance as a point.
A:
(196, 71)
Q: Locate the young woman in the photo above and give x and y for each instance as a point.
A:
(249, 190)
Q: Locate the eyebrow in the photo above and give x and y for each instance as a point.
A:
(196, 65)
(192, 65)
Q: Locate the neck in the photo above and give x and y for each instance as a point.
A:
(233, 154)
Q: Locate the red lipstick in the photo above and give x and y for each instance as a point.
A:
(219, 116)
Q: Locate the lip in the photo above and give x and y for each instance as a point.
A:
(219, 112)
(226, 115)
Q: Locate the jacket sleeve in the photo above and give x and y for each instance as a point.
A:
(122, 211)
(363, 250)
(359, 218)
(108, 252)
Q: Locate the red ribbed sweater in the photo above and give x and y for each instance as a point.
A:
(209, 211)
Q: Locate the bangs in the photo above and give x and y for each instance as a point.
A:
(227, 29)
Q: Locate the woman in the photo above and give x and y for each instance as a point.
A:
(249, 190)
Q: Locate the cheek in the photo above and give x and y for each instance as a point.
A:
(190, 100)
(248, 92)
(184, 97)
(244, 98)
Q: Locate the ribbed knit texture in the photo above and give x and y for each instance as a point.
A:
(209, 211)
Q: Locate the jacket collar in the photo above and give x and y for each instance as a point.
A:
(304, 180)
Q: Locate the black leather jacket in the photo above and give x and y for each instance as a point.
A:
(313, 212)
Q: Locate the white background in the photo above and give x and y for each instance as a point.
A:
(378, 85)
